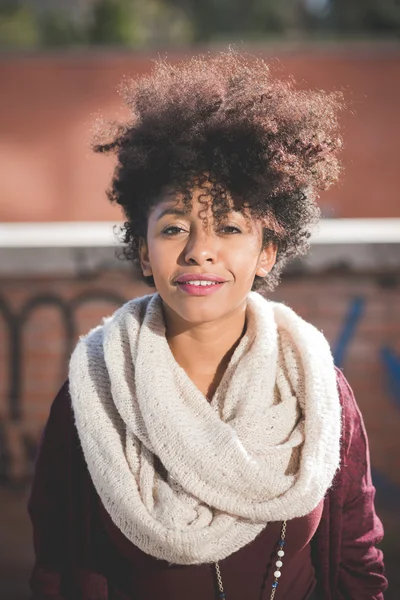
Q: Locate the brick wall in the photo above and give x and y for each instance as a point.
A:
(49, 104)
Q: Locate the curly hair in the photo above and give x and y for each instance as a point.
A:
(225, 124)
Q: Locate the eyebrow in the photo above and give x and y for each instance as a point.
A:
(178, 212)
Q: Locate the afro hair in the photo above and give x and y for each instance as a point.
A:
(223, 122)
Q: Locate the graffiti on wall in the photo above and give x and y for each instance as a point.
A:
(15, 440)
(391, 365)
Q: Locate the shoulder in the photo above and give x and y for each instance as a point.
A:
(354, 473)
(61, 408)
(60, 432)
(345, 392)
(353, 430)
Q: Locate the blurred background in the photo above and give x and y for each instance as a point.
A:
(60, 64)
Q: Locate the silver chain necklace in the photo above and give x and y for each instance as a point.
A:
(280, 554)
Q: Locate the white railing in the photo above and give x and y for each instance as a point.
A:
(101, 234)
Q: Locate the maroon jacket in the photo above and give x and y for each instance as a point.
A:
(71, 544)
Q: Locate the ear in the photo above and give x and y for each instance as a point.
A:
(144, 259)
(267, 260)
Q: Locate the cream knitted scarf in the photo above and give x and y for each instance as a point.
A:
(192, 481)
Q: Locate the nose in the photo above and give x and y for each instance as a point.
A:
(201, 248)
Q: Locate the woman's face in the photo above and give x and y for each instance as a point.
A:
(203, 270)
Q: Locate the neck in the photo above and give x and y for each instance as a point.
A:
(204, 350)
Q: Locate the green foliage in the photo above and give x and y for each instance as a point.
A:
(18, 28)
(137, 23)
(57, 30)
(148, 23)
(112, 23)
(126, 23)
(213, 19)
(369, 15)
(159, 23)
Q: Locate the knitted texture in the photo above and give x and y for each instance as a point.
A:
(191, 481)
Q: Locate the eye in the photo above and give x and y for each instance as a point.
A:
(172, 230)
(230, 229)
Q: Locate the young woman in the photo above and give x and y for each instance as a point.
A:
(204, 445)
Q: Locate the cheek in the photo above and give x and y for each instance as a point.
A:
(162, 260)
(245, 264)
(155, 253)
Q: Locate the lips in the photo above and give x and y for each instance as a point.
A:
(196, 284)
(199, 277)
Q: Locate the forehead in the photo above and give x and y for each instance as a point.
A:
(200, 202)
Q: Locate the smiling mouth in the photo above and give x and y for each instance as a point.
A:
(200, 282)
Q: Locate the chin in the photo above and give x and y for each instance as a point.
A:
(197, 311)
(201, 314)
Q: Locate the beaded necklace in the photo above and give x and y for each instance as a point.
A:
(280, 553)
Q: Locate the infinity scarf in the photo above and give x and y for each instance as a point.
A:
(191, 481)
